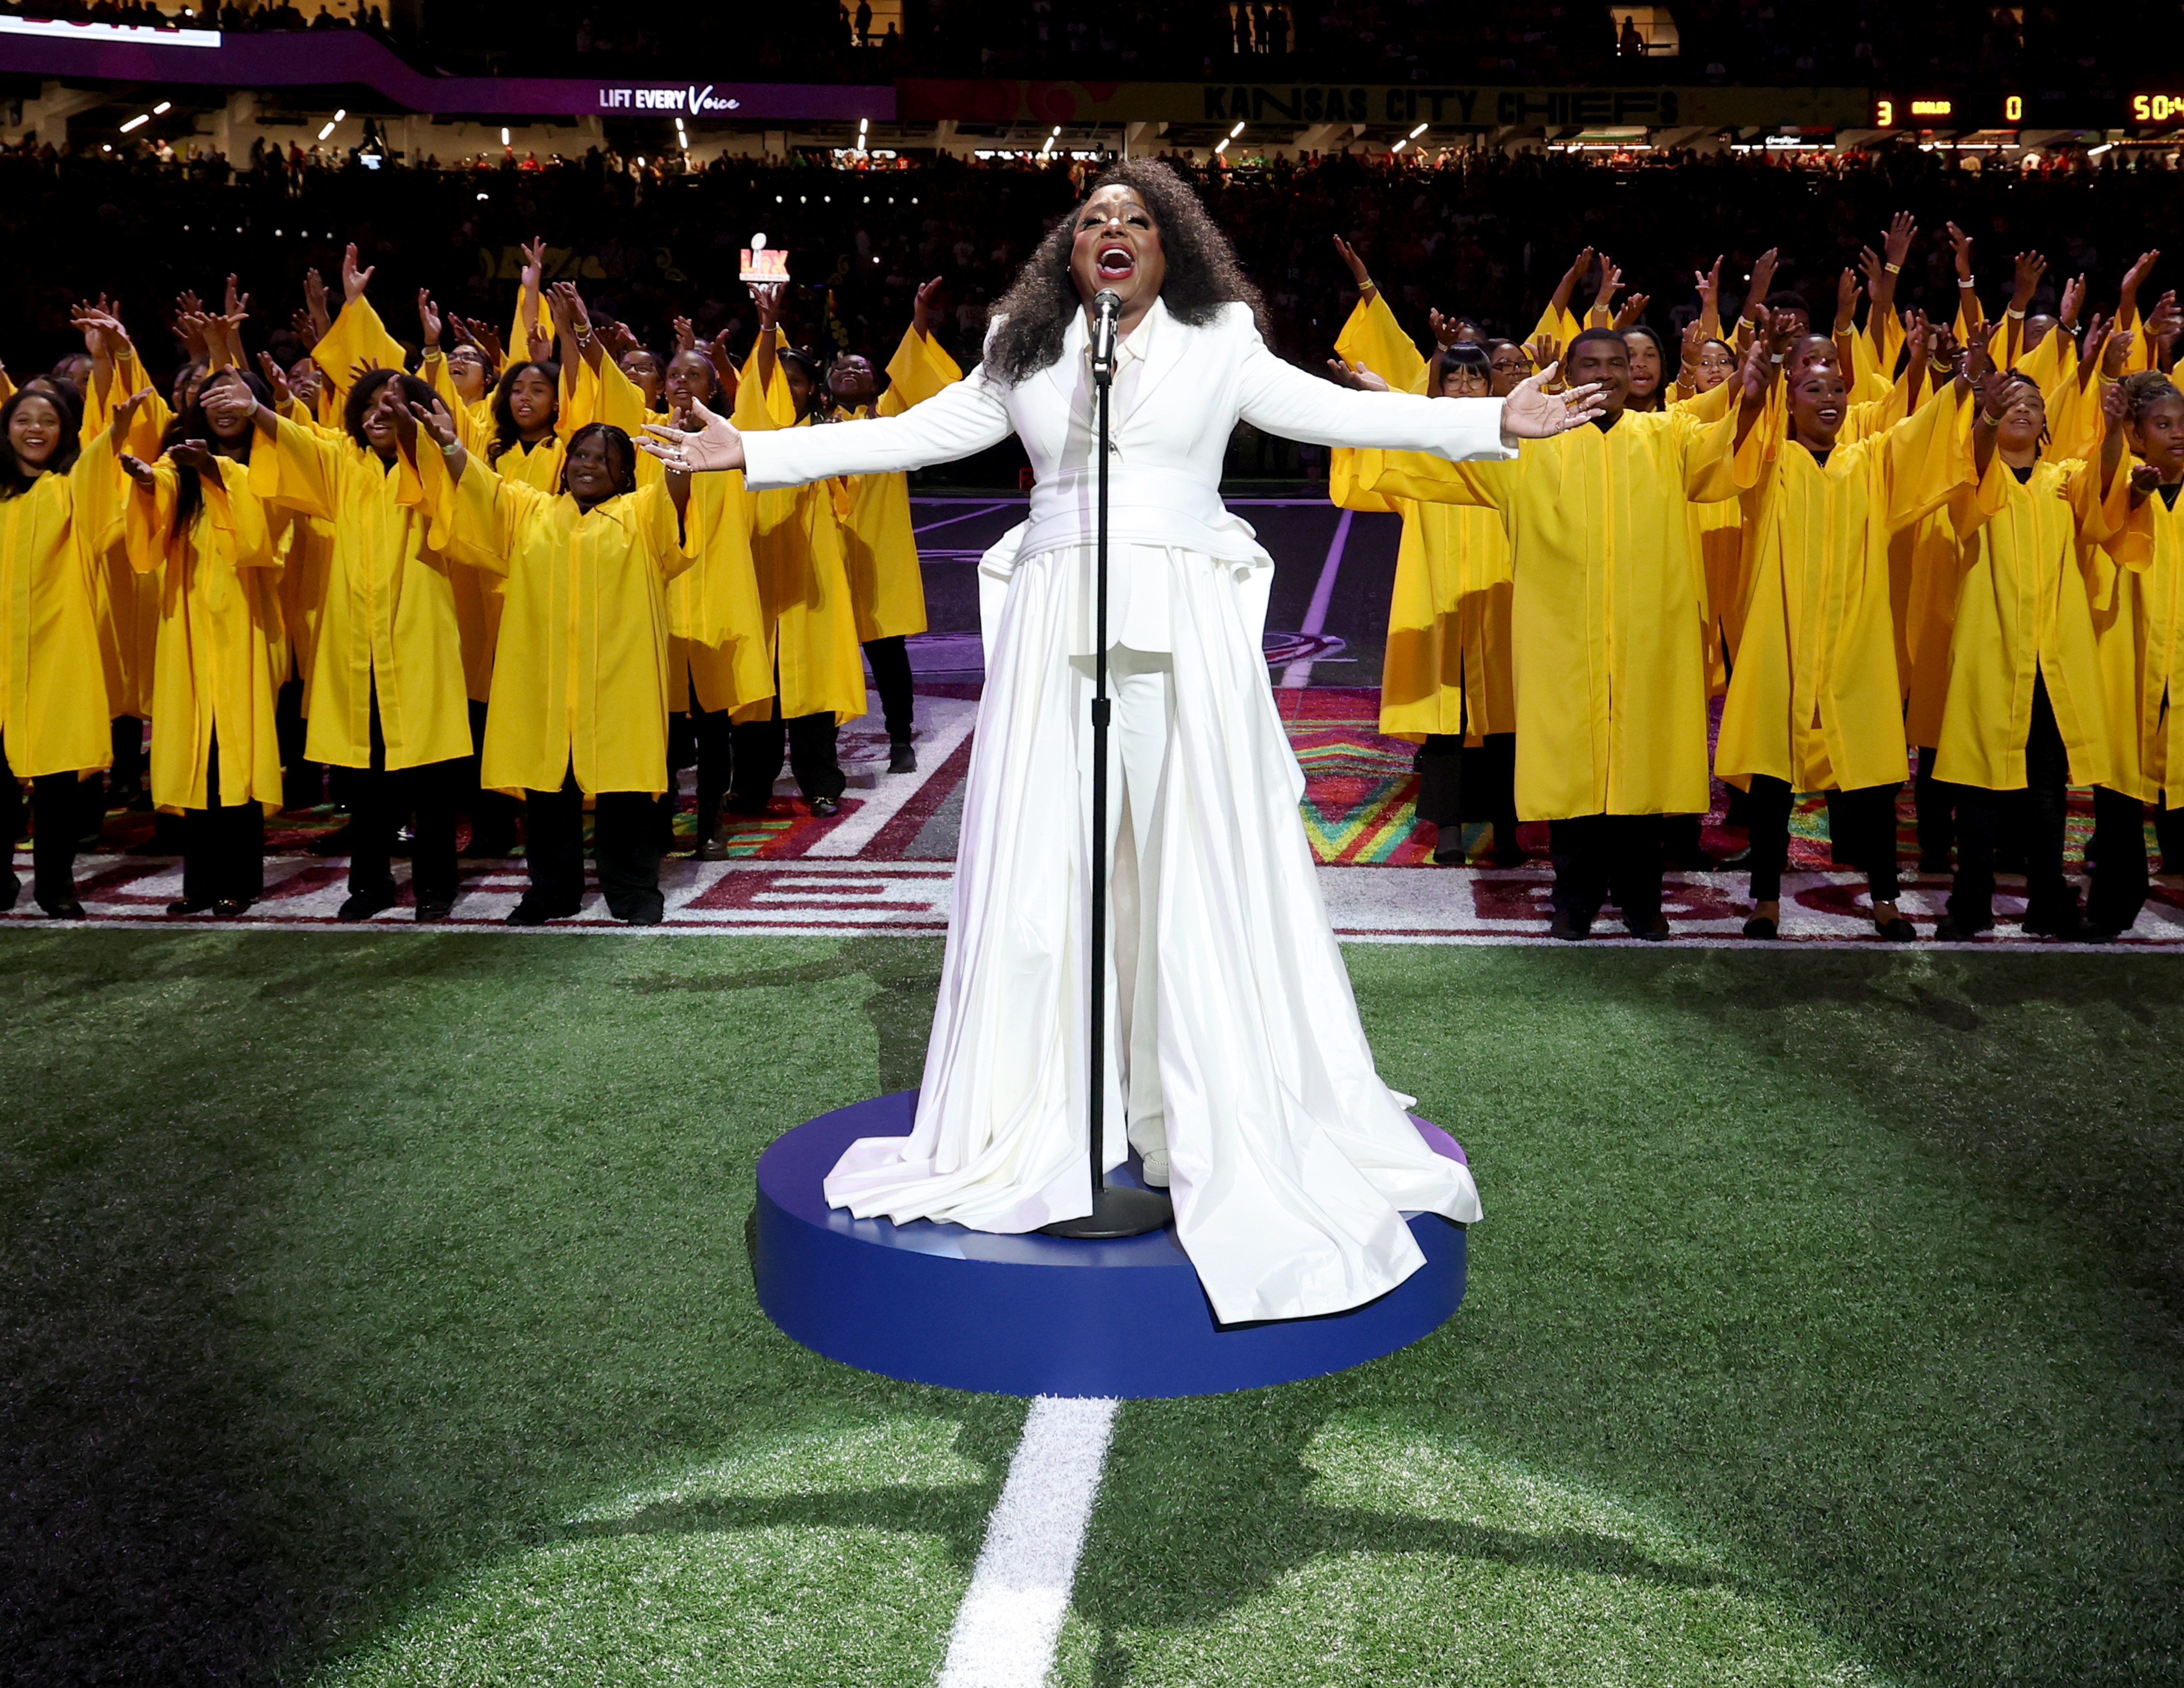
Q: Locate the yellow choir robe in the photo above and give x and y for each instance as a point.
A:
(803, 582)
(1606, 614)
(357, 335)
(1447, 666)
(717, 654)
(2022, 609)
(2136, 593)
(388, 621)
(1814, 700)
(580, 682)
(128, 602)
(886, 587)
(222, 655)
(54, 542)
(305, 547)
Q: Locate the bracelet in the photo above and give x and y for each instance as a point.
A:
(1963, 283)
(1893, 268)
(452, 447)
(1991, 421)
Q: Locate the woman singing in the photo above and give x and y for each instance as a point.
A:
(1236, 1056)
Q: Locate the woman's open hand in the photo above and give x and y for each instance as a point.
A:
(1531, 412)
(714, 443)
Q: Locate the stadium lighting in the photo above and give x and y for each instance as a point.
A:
(1232, 133)
(1220, 147)
(340, 112)
(327, 131)
(1401, 144)
(163, 107)
(503, 137)
(2095, 152)
(137, 122)
(1417, 131)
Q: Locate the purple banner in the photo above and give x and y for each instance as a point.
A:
(325, 58)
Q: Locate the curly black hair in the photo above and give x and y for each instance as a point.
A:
(13, 482)
(2144, 390)
(1202, 272)
(505, 433)
(366, 393)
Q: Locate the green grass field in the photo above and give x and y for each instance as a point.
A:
(377, 1313)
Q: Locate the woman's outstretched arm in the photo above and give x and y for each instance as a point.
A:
(955, 422)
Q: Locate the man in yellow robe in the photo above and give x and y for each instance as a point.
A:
(1607, 620)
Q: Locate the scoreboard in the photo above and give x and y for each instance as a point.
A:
(1959, 110)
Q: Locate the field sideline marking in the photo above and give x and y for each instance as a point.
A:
(1011, 1618)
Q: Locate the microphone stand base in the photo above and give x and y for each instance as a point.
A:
(1117, 1210)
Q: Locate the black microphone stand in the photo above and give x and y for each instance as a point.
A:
(1117, 1210)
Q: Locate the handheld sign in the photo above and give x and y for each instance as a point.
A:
(763, 263)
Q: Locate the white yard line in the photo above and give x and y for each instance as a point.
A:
(1299, 674)
(952, 720)
(1007, 1626)
(947, 521)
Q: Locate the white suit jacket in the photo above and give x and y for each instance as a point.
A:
(1164, 471)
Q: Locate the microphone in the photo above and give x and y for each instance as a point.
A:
(1106, 310)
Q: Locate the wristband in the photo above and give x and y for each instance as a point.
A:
(1774, 357)
(2014, 315)
(452, 447)
(1893, 268)
(1963, 283)
(1991, 421)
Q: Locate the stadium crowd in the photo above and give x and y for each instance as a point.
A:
(1879, 476)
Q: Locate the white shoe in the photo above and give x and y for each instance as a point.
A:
(1156, 1168)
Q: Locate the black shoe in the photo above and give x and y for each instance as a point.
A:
(1951, 930)
(901, 759)
(707, 844)
(338, 842)
(1654, 931)
(63, 908)
(825, 807)
(645, 914)
(436, 910)
(2101, 934)
(1448, 852)
(2065, 922)
(1760, 927)
(1510, 855)
(1897, 931)
(529, 913)
(362, 905)
(1741, 858)
(189, 905)
(227, 908)
(1569, 928)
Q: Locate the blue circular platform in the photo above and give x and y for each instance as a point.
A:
(1036, 1315)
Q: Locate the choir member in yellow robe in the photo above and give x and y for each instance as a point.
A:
(2138, 625)
(1606, 623)
(2024, 719)
(887, 589)
(194, 525)
(580, 684)
(60, 515)
(804, 587)
(1813, 704)
(387, 693)
(717, 658)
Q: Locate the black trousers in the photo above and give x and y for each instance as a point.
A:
(56, 815)
(1861, 827)
(890, 661)
(624, 844)
(492, 813)
(379, 800)
(2040, 811)
(127, 736)
(1935, 806)
(1595, 854)
(223, 846)
(2115, 857)
(758, 760)
(302, 783)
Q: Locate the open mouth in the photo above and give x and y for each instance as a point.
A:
(1117, 263)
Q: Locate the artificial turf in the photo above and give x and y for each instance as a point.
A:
(376, 1311)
